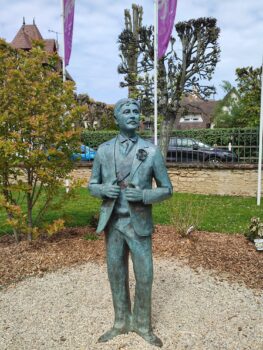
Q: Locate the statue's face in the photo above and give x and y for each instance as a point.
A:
(128, 117)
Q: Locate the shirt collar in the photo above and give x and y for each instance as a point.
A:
(122, 138)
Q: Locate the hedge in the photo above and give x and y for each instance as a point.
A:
(96, 138)
(221, 137)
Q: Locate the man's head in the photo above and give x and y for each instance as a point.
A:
(127, 114)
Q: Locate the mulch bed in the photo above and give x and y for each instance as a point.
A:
(230, 257)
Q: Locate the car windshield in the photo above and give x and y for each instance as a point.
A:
(203, 145)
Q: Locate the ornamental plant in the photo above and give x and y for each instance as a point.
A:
(37, 134)
(255, 229)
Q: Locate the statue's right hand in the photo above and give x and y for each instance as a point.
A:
(110, 191)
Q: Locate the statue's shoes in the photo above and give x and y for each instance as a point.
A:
(151, 338)
(113, 332)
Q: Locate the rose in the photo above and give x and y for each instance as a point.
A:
(141, 155)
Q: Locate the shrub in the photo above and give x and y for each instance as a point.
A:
(255, 229)
(37, 137)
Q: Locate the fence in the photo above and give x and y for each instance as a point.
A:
(236, 146)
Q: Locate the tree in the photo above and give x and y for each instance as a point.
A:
(136, 53)
(131, 37)
(249, 89)
(226, 113)
(98, 115)
(181, 71)
(37, 136)
(241, 105)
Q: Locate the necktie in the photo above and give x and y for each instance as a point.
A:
(127, 145)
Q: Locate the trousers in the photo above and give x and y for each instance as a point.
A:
(121, 239)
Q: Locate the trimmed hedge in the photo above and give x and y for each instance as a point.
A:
(96, 138)
(221, 137)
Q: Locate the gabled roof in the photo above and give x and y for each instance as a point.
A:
(25, 35)
(28, 33)
(195, 104)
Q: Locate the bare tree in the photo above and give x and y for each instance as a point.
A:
(184, 69)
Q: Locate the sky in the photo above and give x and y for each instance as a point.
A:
(94, 58)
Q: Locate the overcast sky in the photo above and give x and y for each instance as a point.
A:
(94, 57)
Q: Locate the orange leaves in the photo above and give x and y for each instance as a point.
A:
(55, 227)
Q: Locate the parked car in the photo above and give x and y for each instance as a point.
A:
(86, 154)
(186, 150)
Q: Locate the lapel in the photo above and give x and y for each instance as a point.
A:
(141, 144)
(109, 157)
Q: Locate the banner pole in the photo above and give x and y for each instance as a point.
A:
(155, 69)
(63, 42)
(260, 141)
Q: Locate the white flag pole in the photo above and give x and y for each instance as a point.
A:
(63, 41)
(155, 69)
(260, 141)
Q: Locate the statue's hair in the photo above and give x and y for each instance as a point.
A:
(122, 102)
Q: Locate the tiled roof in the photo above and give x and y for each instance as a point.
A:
(29, 32)
(50, 45)
(25, 35)
(194, 104)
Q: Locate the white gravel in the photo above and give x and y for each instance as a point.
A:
(71, 308)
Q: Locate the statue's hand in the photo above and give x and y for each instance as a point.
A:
(111, 191)
(134, 194)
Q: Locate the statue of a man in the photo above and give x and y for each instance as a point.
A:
(122, 175)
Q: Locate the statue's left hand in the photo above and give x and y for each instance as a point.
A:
(134, 194)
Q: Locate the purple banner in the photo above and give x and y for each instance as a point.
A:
(166, 15)
(68, 27)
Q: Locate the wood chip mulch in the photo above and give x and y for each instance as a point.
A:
(230, 257)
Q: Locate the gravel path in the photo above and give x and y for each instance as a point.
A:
(71, 308)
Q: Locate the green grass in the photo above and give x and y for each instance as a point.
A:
(76, 211)
(214, 213)
(226, 214)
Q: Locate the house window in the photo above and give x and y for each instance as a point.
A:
(191, 119)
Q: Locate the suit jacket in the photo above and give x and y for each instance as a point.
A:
(143, 171)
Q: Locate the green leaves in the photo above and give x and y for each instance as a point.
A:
(241, 105)
(37, 112)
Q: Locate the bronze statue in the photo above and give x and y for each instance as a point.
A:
(122, 175)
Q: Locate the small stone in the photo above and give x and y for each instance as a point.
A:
(62, 338)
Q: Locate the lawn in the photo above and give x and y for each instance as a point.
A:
(212, 213)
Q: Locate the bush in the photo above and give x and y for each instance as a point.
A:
(244, 141)
(37, 139)
(255, 229)
(95, 138)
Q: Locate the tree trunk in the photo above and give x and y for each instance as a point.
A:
(165, 134)
(29, 216)
(16, 235)
(15, 231)
(30, 225)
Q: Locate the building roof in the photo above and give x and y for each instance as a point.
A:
(24, 37)
(193, 105)
(27, 34)
(196, 105)
(50, 45)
